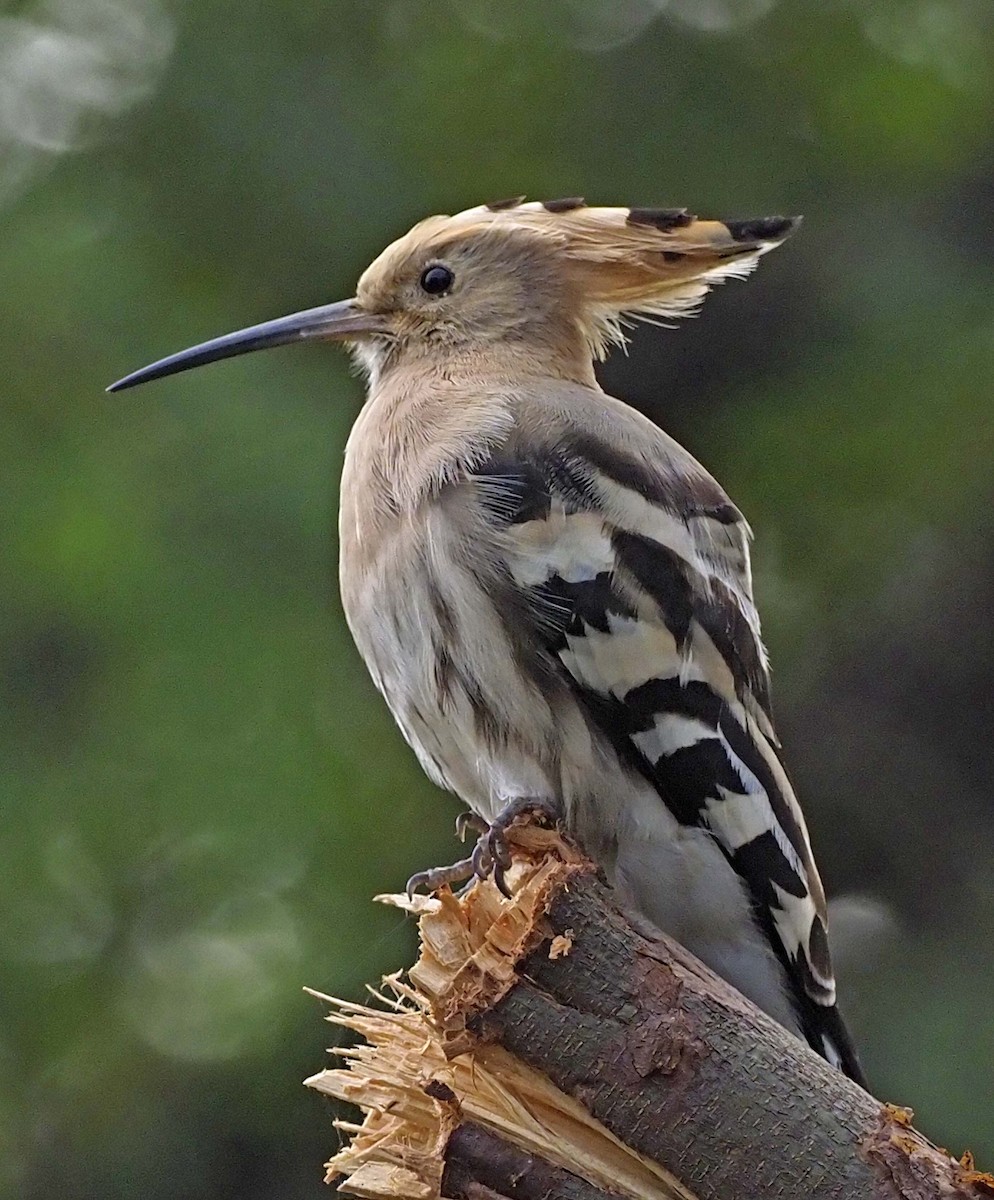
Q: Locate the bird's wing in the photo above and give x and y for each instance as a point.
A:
(638, 584)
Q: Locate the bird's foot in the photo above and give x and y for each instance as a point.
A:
(491, 854)
(436, 877)
(470, 820)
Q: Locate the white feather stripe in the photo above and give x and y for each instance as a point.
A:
(636, 650)
(770, 824)
(709, 664)
(704, 661)
(786, 791)
(750, 784)
(573, 546)
(801, 863)
(712, 549)
(671, 732)
(626, 509)
(631, 653)
(738, 819)
(792, 916)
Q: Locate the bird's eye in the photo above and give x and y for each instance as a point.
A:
(436, 280)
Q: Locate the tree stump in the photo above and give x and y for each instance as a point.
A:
(544, 1047)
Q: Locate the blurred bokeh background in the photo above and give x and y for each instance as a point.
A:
(199, 789)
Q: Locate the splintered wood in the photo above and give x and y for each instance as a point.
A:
(419, 1074)
(542, 1048)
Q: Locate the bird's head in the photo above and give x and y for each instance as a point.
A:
(555, 280)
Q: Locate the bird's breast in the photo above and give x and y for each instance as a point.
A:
(426, 620)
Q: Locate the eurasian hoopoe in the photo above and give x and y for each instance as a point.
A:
(552, 595)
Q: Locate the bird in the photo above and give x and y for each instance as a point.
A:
(553, 596)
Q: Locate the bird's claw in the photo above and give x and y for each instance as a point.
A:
(495, 838)
(491, 855)
(469, 820)
(436, 877)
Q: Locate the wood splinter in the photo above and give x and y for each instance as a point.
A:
(541, 1048)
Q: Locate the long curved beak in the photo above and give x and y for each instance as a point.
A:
(341, 321)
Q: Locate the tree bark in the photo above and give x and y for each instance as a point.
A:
(544, 1047)
(479, 1164)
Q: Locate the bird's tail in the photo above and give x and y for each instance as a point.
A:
(828, 1034)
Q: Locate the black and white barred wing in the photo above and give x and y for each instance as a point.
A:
(639, 589)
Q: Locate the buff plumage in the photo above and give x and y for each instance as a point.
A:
(552, 595)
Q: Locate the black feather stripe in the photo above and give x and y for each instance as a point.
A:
(688, 495)
(514, 489)
(820, 1022)
(661, 574)
(502, 205)
(692, 699)
(683, 595)
(529, 485)
(763, 862)
(751, 755)
(722, 619)
(762, 229)
(817, 1021)
(512, 492)
(663, 219)
(818, 952)
(570, 466)
(724, 512)
(691, 776)
(580, 604)
(571, 478)
(567, 204)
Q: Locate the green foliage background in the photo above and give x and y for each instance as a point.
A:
(199, 789)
